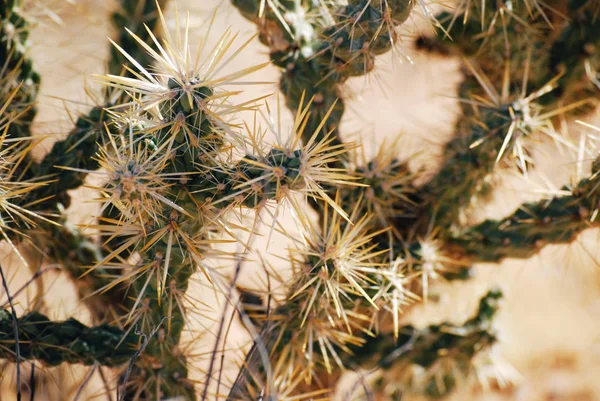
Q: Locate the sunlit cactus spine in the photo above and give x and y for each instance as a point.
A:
(175, 164)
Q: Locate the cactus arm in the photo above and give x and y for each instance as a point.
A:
(17, 69)
(133, 15)
(68, 341)
(393, 356)
(573, 54)
(534, 225)
(66, 166)
(68, 158)
(552, 43)
(465, 166)
(427, 349)
(319, 48)
(76, 151)
(506, 43)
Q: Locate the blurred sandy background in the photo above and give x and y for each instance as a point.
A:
(548, 325)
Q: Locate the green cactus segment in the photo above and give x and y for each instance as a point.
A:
(520, 37)
(252, 181)
(61, 241)
(300, 76)
(428, 348)
(545, 43)
(133, 15)
(576, 55)
(69, 159)
(172, 171)
(319, 48)
(172, 242)
(69, 341)
(162, 366)
(523, 47)
(536, 224)
(16, 69)
(472, 156)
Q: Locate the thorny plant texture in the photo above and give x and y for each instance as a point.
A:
(181, 176)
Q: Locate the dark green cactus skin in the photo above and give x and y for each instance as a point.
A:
(222, 184)
(339, 54)
(68, 341)
(316, 58)
(81, 144)
(465, 167)
(71, 246)
(162, 363)
(516, 40)
(17, 68)
(424, 347)
(133, 15)
(321, 55)
(427, 342)
(578, 45)
(534, 225)
(76, 151)
(213, 187)
(561, 48)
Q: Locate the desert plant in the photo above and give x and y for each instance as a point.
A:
(177, 168)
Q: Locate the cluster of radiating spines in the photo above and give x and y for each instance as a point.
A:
(434, 370)
(65, 168)
(499, 131)
(173, 125)
(333, 266)
(171, 169)
(388, 190)
(167, 221)
(70, 158)
(512, 38)
(320, 45)
(338, 300)
(344, 289)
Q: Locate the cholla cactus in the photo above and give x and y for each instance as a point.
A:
(175, 168)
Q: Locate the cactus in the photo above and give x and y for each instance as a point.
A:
(177, 167)
(70, 341)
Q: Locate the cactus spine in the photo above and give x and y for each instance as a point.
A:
(176, 164)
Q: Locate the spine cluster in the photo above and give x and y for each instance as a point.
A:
(175, 164)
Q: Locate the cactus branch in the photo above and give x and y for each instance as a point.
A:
(553, 221)
(69, 341)
(427, 349)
